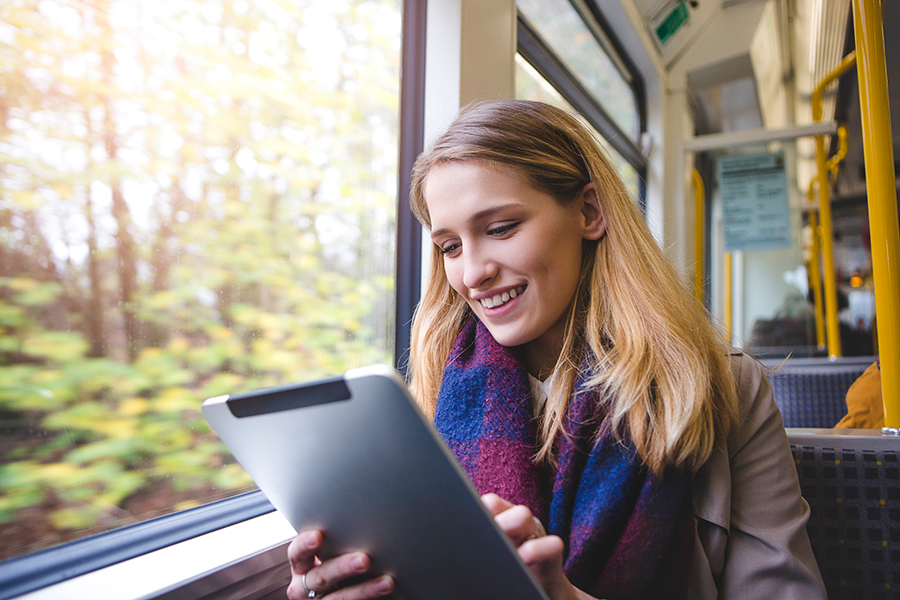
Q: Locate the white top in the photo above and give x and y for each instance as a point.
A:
(540, 390)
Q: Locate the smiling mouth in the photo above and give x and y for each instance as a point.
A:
(501, 299)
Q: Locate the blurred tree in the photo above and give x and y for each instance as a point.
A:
(196, 198)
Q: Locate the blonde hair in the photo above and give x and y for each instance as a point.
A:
(657, 357)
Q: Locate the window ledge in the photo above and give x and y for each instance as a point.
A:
(161, 558)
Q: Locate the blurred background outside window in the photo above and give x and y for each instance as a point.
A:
(196, 198)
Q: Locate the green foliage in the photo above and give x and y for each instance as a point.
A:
(263, 253)
(16, 396)
(29, 292)
(54, 346)
(12, 316)
(76, 516)
(23, 487)
(231, 477)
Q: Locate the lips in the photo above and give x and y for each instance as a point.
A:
(498, 300)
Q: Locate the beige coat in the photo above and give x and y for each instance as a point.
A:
(751, 520)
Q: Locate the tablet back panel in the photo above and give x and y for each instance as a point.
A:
(354, 457)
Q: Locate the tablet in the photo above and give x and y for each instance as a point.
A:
(355, 457)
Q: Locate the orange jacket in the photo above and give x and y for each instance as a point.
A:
(865, 405)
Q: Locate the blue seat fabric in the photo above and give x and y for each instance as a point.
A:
(854, 527)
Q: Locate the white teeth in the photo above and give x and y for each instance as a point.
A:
(501, 299)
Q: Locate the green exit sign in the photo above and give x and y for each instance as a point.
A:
(672, 22)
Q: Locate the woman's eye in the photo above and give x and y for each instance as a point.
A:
(448, 249)
(502, 229)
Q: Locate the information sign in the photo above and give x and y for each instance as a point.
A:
(672, 22)
(755, 209)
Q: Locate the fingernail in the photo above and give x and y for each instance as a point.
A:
(384, 585)
(311, 539)
(358, 564)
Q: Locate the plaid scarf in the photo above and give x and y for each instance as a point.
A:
(627, 533)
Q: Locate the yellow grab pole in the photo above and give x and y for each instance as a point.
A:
(699, 214)
(814, 268)
(831, 310)
(834, 161)
(727, 297)
(882, 192)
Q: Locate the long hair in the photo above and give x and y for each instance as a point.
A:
(655, 355)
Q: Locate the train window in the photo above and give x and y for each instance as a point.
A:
(197, 197)
(530, 85)
(585, 50)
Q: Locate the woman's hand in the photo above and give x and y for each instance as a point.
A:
(541, 552)
(311, 578)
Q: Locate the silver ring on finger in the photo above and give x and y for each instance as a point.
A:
(309, 592)
(538, 530)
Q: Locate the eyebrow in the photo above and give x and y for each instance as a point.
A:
(481, 214)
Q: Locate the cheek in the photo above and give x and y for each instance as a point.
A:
(561, 263)
(454, 276)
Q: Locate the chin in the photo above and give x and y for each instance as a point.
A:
(504, 337)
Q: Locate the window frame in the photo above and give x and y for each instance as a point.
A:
(36, 570)
(407, 276)
(538, 53)
(42, 568)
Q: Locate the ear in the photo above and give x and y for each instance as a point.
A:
(594, 221)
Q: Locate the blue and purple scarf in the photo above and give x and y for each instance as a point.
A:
(628, 534)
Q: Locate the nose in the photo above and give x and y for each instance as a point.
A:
(479, 269)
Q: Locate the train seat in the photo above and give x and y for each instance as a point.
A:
(851, 479)
(811, 392)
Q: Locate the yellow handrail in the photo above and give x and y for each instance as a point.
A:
(835, 161)
(726, 309)
(699, 214)
(882, 192)
(814, 268)
(699, 238)
(831, 309)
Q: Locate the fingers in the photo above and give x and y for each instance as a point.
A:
(302, 551)
(495, 503)
(515, 520)
(372, 588)
(543, 553)
(310, 575)
(332, 572)
(544, 556)
(517, 523)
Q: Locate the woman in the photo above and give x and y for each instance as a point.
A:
(581, 387)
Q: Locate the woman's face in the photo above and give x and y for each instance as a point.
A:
(513, 252)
